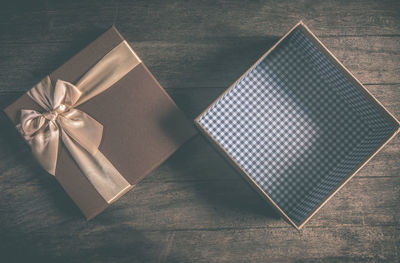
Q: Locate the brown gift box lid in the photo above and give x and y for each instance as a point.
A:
(142, 125)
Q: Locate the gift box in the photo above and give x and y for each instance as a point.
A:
(297, 125)
(100, 123)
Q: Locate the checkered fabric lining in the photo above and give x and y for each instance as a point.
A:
(296, 126)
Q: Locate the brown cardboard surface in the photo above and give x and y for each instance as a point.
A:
(142, 125)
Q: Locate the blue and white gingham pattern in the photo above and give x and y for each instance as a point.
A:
(296, 126)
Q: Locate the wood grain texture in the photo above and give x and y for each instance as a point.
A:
(194, 207)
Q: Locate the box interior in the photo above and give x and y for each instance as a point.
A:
(297, 125)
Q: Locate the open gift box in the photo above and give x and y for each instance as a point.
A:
(297, 125)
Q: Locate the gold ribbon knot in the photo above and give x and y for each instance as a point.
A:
(43, 130)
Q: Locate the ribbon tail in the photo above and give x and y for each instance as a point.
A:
(46, 153)
(82, 129)
(105, 178)
(42, 137)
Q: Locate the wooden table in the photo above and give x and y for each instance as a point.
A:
(194, 207)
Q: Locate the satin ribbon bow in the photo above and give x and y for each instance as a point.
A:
(43, 130)
(80, 133)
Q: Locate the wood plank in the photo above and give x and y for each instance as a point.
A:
(195, 188)
(191, 192)
(203, 220)
(218, 63)
(177, 20)
(200, 169)
(206, 63)
(193, 101)
(340, 244)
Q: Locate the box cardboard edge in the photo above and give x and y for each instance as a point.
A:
(348, 75)
(368, 95)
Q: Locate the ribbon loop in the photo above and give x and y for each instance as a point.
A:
(65, 95)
